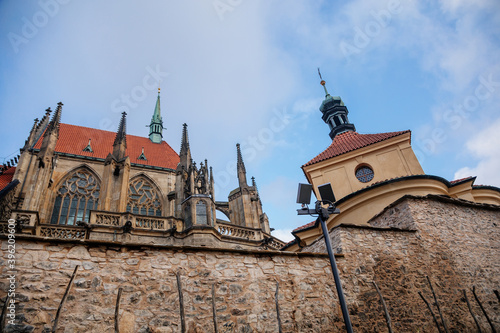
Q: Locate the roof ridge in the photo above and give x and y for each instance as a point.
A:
(341, 145)
(74, 138)
(103, 130)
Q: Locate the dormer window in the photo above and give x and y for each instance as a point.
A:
(142, 156)
(88, 148)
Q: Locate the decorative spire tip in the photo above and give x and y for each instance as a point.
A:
(323, 83)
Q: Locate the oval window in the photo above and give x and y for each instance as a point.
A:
(364, 174)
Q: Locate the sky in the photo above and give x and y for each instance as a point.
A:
(240, 71)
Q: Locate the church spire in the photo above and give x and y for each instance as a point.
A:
(185, 153)
(54, 124)
(242, 173)
(120, 144)
(334, 113)
(156, 125)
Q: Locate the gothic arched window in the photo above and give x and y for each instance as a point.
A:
(77, 195)
(143, 198)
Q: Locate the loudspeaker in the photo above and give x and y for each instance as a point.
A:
(304, 194)
(326, 192)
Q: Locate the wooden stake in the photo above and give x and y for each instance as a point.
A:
(387, 317)
(470, 310)
(484, 311)
(498, 295)
(117, 310)
(181, 303)
(64, 299)
(278, 307)
(4, 311)
(213, 309)
(432, 313)
(437, 305)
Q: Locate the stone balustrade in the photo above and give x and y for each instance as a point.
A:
(276, 243)
(61, 231)
(234, 231)
(157, 223)
(27, 218)
(238, 232)
(104, 222)
(106, 225)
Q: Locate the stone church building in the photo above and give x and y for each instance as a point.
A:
(118, 233)
(84, 183)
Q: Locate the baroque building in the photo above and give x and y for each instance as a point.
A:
(369, 172)
(75, 182)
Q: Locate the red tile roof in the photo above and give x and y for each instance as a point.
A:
(305, 226)
(456, 181)
(6, 176)
(349, 141)
(73, 139)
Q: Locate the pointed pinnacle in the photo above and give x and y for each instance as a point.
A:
(240, 158)
(185, 139)
(121, 134)
(56, 119)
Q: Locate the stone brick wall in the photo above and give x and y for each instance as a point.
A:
(455, 243)
(245, 286)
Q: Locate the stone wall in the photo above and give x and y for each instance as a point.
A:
(453, 242)
(245, 286)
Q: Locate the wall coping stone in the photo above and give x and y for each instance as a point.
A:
(439, 198)
(111, 244)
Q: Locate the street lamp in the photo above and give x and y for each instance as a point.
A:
(327, 197)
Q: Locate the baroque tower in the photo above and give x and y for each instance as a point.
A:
(334, 113)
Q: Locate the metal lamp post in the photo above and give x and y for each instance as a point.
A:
(304, 197)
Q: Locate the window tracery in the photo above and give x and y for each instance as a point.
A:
(143, 198)
(76, 197)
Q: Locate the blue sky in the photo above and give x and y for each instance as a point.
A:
(246, 71)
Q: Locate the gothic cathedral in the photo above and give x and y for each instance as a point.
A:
(75, 182)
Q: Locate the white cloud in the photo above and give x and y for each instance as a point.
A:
(486, 147)
(283, 234)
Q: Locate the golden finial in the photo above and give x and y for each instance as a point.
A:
(323, 82)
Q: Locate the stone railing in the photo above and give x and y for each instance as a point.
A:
(26, 218)
(151, 223)
(98, 219)
(61, 231)
(276, 243)
(49, 231)
(231, 230)
(238, 232)
(107, 219)
(27, 222)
